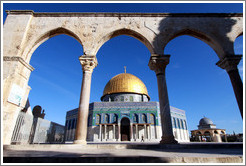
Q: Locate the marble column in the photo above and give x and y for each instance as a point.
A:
(105, 131)
(100, 132)
(229, 63)
(113, 131)
(147, 127)
(131, 132)
(137, 134)
(145, 132)
(158, 64)
(150, 131)
(88, 64)
(119, 139)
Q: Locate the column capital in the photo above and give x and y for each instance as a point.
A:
(88, 62)
(158, 63)
(229, 62)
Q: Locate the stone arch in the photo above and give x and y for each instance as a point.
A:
(240, 34)
(199, 35)
(124, 31)
(237, 32)
(207, 133)
(125, 129)
(198, 133)
(44, 37)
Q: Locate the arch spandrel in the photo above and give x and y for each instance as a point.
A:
(199, 35)
(218, 31)
(137, 34)
(37, 40)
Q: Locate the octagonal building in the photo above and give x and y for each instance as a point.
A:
(126, 114)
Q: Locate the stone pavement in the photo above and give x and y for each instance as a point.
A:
(125, 153)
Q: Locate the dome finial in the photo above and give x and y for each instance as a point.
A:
(125, 68)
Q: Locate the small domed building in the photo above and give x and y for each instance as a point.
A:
(126, 114)
(207, 132)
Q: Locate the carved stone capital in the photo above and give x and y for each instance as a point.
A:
(88, 62)
(229, 63)
(158, 63)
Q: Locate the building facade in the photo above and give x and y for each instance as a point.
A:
(126, 114)
(208, 132)
(32, 128)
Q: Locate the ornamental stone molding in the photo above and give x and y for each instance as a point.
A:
(230, 62)
(25, 30)
(88, 63)
(158, 63)
(19, 59)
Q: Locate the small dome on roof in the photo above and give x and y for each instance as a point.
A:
(205, 121)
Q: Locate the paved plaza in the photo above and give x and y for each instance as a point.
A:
(125, 153)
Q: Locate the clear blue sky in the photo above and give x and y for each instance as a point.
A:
(195, 83)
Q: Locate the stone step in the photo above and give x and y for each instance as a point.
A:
(145, 159)
(127, 146)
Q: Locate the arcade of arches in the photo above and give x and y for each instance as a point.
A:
(208, 132)
(24, 31)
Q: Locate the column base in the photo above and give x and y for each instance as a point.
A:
(81, 142)
(168, 140)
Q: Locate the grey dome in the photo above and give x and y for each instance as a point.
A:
(205, 121)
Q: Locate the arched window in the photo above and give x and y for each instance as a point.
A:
(75, 124)
(185, 125)
(207, 133)
(178, 123)
(152, 118)
(73, 121)
(174, 123)
(144, 118)
(182, 125)
(215, 132)
(98, 119)
(69, 124)
(198, 133)
(115, 120)
(106, 118)
(135, 118)
(111, 98)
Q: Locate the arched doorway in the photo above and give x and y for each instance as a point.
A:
(125, 129)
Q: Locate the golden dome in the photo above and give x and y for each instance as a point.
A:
(125, 83)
